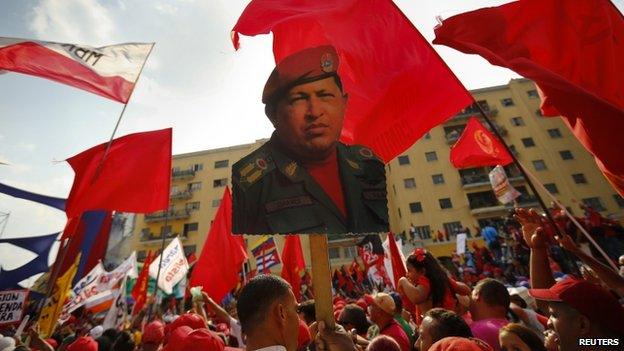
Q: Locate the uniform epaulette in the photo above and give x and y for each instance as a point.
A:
(252, 168)
(363, 153)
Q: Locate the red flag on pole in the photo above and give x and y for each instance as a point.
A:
(139, 291)
(222, 256)
(293, 263)
(477, 147)
(398, 266)
(398, 86)
(135, 175)
(573, 50)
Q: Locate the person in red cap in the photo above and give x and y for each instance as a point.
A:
(583, 315)
(454, 343)
(83, 343)
(153, 336)
(303, 180)
(382, 309)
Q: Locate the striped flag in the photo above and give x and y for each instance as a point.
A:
(265, 252)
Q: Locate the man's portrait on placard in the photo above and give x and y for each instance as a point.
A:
(304, 180)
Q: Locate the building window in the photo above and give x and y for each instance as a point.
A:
(528, 142)
(334, 252)
(216, 202)
(189, 249)
(517, 121)
(404, 160)
(219, 182)
(619, 200)
(190, 227)
(595, 203)
(579, 178)
(532, 94)
(452, 227)
(566, 155)
(431, 156)
(197, 167)
(351, 251)
(409, 183)
(194, 186)
(506, 102)
(423, 232)
(221, 163)
(415, 207)
(552, 188)
(192, 206)
(438, 179)
(513, 150)
(427, 135)
(445, 203)
(539, 165)
(554, 133)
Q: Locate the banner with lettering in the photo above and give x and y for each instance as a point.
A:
(12, 305)
(118, 312)
(173, 267)
(505, 193)
(109, 71)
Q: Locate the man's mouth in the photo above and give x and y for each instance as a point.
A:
(316, 128)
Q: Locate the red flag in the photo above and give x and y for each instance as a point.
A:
(398, 86)
(109, 71)
(222, 256)
(139, 291)
(135, 176)
(398, 266)
(573, 50)
(293, 263)
(477, 147)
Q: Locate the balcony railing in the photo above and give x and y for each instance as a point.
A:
(486, 206)
(473, 180)
(181, 195)
(156, 237)
(184, 174)
(467, 113)
(162, 215)
(452, 137)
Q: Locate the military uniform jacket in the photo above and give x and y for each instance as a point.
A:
(272, 193)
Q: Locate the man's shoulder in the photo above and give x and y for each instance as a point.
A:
(253, 167)
(361, 153)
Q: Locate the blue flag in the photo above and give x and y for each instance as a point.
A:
(55, 202)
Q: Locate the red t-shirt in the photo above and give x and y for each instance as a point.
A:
(394, 331)
(327, 175)
(448, 301)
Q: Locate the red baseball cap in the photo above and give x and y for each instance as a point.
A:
(202, 339)
(591, 300)
(176, 338)
(153, 333)
(189, 319)
(455, 343)
(83, 343)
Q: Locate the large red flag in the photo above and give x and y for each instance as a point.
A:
(139, 291)
(573, 50)
(398, 86)
(135, 176)
(109, 71)
(477, 147)
(293, 263)
(222, 256)
(398, 266)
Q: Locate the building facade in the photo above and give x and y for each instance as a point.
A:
(424, 190)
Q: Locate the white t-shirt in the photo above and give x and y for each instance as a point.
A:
(237, 331)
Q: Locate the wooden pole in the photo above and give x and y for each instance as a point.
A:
(321, 280)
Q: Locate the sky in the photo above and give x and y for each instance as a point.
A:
(194, 81)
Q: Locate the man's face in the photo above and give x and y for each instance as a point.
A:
(309, 118)
(291, 325)
(425, 337)
(566, 322)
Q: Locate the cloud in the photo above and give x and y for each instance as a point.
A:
(75, 21)
(167, 9)
(27, 146)
(14, 167)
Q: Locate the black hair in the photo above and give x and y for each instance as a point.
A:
(111, 333)
(104, 343)
(354, 315)
(447, 323)
(309, 311)
(257, 297)
(124, 342)
(435, 273)
(493, 292)
(528, 336)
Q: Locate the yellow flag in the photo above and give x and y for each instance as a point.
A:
(52, 309)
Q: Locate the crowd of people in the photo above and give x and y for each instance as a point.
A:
(517, 300)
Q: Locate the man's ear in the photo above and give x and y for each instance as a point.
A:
(584, 325)
(281, 313)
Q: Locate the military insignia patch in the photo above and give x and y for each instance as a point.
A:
(261, 163)
(291, 169)
(366, 152)
(327, 63)
(353, 164)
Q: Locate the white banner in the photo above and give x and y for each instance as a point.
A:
(173, 267)
(12, 305)
(461, 244)
(118, 312)
(505, 193)
(388, 261)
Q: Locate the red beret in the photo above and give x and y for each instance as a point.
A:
(83, 343)
(302, 67)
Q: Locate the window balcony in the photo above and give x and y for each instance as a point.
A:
(473, 112)
(169, 215)
(184, 174)
(491, 207)
(151, 237)
(181, 195)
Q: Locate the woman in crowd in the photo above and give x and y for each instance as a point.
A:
(516, 337)
(427, 284)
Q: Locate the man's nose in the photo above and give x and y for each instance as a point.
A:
(315, 108)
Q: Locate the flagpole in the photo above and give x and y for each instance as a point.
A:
(528, 181)
(54, 273)
(110, 141)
